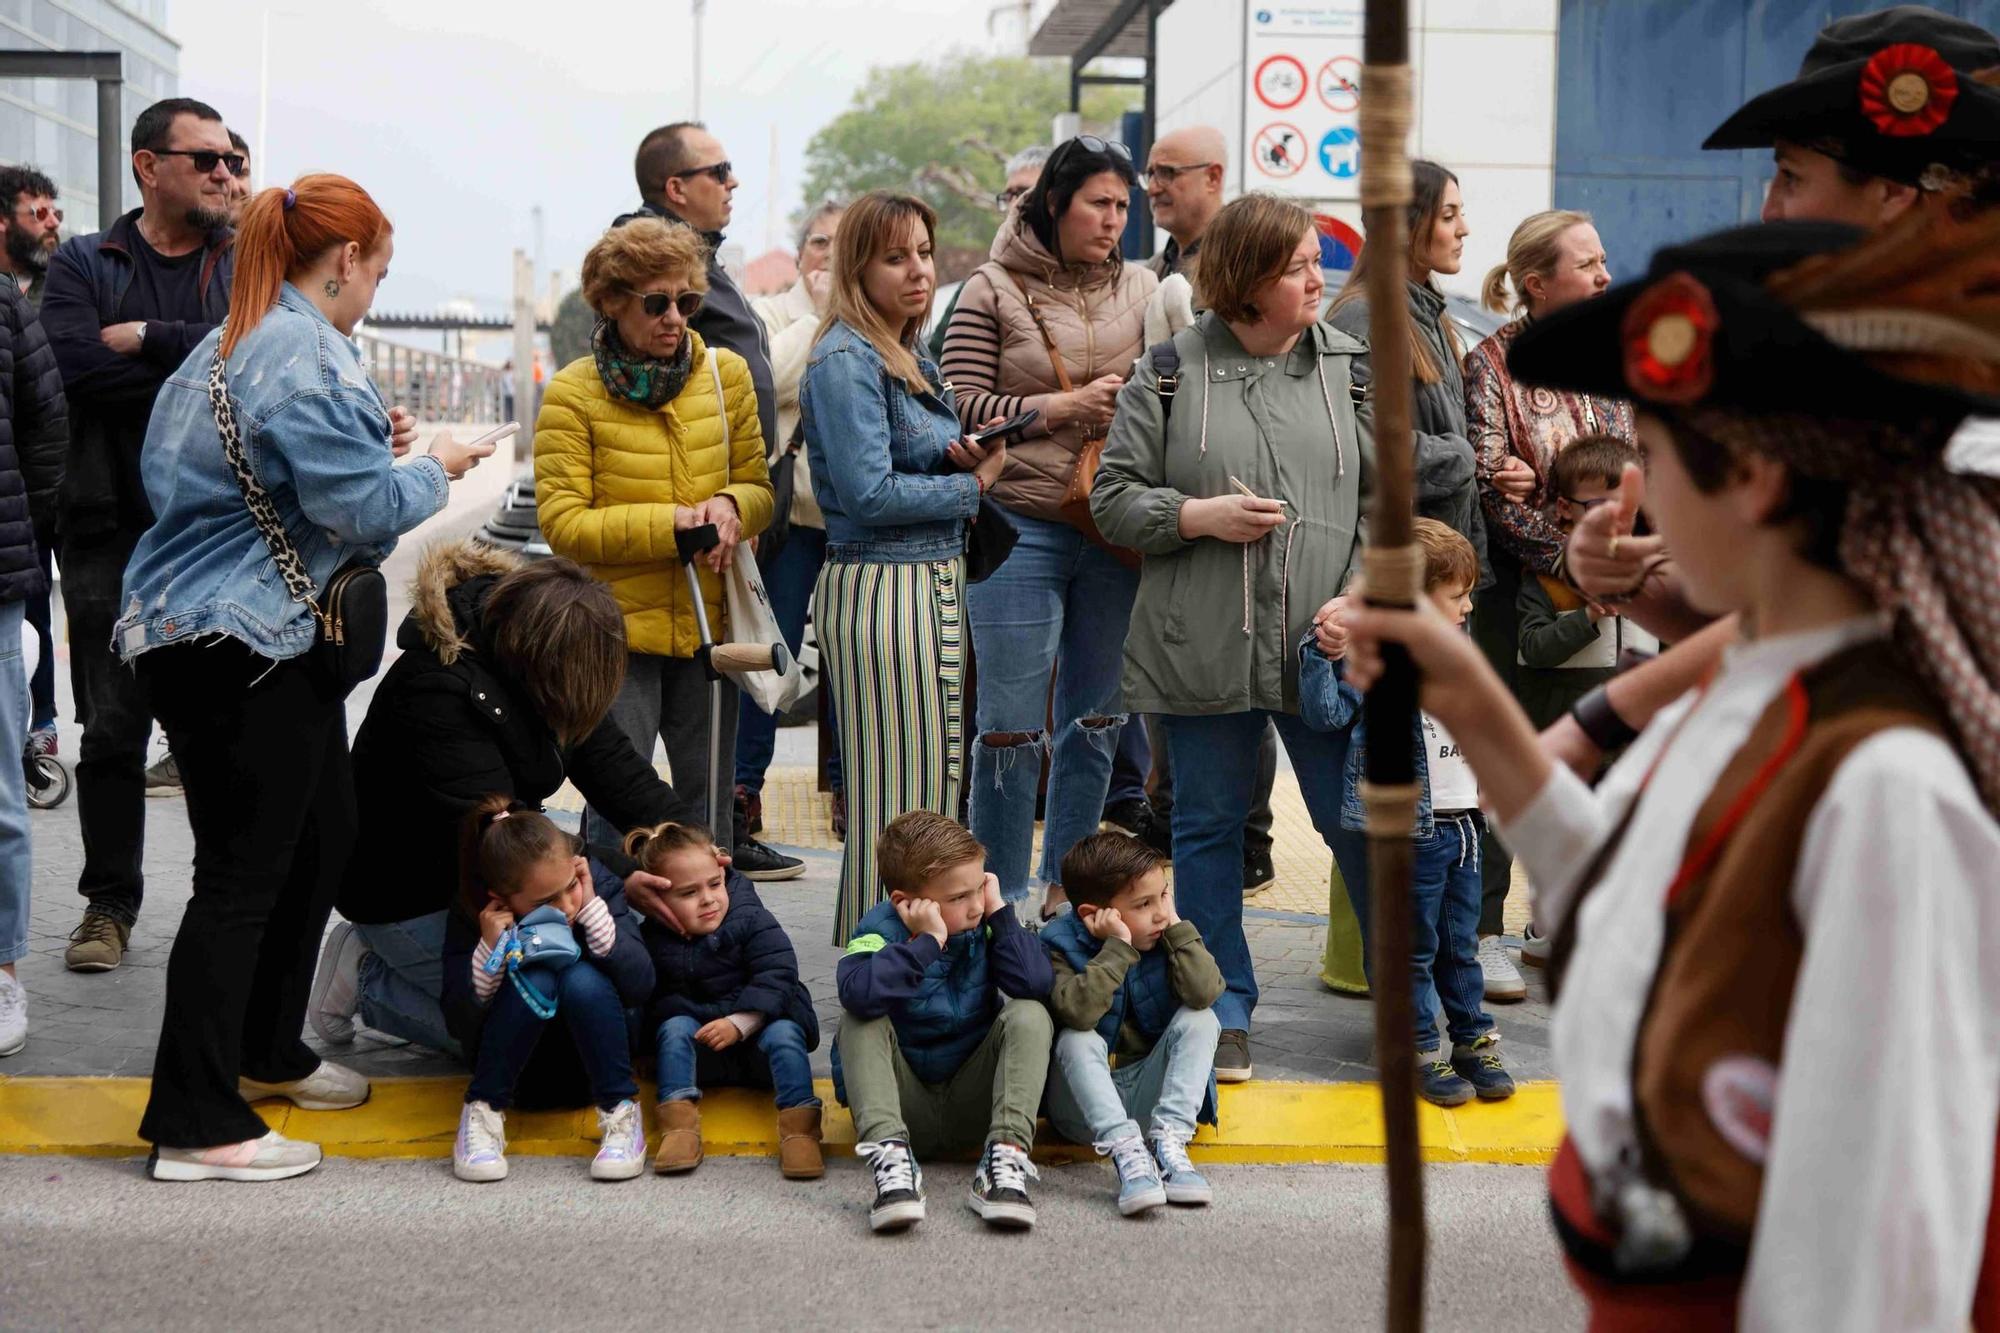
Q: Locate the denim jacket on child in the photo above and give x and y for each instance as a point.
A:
(1328, 703)
(316, 435)
(879, 467)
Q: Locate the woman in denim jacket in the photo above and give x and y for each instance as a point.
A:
(898, 486)
(219, 643)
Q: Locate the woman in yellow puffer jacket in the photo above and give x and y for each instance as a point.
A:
(654, 432)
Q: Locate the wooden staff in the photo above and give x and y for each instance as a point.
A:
(1394, 568)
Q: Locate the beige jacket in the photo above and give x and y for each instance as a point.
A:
(790, 321)
(1096, 315)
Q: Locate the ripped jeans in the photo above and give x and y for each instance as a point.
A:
(1059, 606)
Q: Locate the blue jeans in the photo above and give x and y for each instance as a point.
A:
(783, 1067)
(14, 850)
(587, 1006)
(1131, 764)
(1215, 777)
(1090, 1102)
(789, 579)
(1444, 936)
(402, 978)
(1060, 605)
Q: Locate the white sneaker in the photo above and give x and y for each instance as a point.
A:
(1535, 949)
(331, 1087)
(336, 990)
(479, 1152)
(622, 1153)
(1503, 979)
(13, 1014)
(273, 1157)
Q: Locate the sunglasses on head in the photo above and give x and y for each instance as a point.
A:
(204, 159)
(1092, 144)
(721, 171)
(656, 304)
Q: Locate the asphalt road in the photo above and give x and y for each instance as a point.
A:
(361, 1245)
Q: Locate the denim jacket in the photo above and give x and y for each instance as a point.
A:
(880, 474)
(1328, 703)
(316, 435)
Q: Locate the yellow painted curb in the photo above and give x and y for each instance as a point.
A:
(1262, 1121)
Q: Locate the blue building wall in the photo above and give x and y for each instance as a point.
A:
(1640, 83)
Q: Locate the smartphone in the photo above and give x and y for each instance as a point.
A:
(497, 434)
(1011, 426)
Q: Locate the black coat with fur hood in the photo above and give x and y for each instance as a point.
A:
(447, 728)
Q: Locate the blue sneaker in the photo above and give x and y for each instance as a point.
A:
(1479, 1064)
(1139, 1187)
(1439, 1084)
(1185, 1185)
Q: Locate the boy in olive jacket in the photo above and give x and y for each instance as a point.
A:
(1132, 980)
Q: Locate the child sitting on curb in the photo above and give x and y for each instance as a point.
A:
(930, 1056)
(1445, 884)
(1132, 980)
(726, 977)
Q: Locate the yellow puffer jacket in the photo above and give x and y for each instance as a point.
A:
(610, 475)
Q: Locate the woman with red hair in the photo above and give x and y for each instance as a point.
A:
(272, 410)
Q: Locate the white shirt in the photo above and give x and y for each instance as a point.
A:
(1453, 787)
(1880, 1160)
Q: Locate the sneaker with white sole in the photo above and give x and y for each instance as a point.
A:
(1534, 948)
(479, 1153)
(1000, 1188)
(1184, 1184)
(163, 778)
(273, 1157)
(621, 1153)
(13, 1014)
(899, 1185)
(1503, 979)
(336, 989)
(1139, 1186)
(331, 1087)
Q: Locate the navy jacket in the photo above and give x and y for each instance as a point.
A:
(110, 394)
(942, 1001)
(746, 966)
(627, 965)
(33, 433)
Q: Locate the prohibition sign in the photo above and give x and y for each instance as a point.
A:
(1281, 82)
(1280, 150)
(1339, 83)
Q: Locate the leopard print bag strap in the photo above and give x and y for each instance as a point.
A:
(262, 512)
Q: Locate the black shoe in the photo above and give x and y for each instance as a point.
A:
(1232, 1056)
(899, 1185)
(1258, 872)
(1135, 818)
(1000, 1188)
(760, 863)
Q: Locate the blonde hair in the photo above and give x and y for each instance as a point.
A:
(626, 258)
(1532, 251)
(1247, 244)
(873, 223)
(650, 847)
(1449, 560)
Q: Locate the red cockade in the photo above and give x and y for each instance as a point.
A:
(1669, 336)
(1907, 89)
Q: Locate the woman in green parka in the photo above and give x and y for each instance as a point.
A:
(1243, 489)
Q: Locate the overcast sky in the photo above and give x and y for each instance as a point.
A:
(461, 116)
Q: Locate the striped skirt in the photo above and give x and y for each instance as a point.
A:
(892, 650)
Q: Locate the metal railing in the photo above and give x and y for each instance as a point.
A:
(434, 386)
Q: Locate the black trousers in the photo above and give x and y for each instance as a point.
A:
(117, 722)
(270, 792)
(1496, 617)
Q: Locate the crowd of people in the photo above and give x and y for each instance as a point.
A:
(1087, 558)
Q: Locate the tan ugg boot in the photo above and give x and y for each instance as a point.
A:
(680, 1137)
(798, 1144)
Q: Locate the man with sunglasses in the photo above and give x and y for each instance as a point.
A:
(32, 227)
(123, 309)
(239, 178)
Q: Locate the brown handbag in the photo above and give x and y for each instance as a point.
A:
(1075, 504)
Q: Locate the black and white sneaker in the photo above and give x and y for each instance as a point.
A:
(759, 862)
(1000, 1188)
(899, 1185)
(1136, 818)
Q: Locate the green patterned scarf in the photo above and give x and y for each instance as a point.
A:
(639, 379)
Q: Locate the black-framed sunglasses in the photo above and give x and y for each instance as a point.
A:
(204, 159)
(720, 171)
(656, 304)
(1092, 143)
(1162, 174)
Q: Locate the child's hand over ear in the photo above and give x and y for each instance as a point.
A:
(922, 916)
(719, 1035)
(991, 904)
(494, 921)
(1105, 923)
(581, 891)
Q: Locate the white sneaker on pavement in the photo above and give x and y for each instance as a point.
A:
(336, 989)
(13, 1014)
(622, 1153)
(331, 1087)
(1503, 979)
(478, 1154)
(1535, 949)
(273, 1157)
